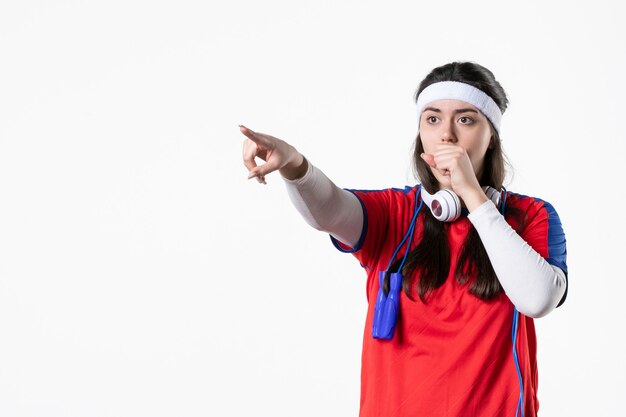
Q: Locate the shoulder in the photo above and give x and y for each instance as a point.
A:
(384, 211)
(532, 206)
(542, 228)
(391, 192)
(390, 197)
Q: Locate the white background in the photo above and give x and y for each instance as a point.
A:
(142, 274)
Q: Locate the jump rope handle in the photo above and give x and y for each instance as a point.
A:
(387, 307)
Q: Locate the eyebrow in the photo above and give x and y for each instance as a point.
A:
(456, 111)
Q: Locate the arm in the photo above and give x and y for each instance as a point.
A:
(325, 206)
(534, 286)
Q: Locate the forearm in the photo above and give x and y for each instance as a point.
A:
(533, 285)
(325, 206)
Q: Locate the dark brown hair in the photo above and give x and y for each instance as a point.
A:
(430, 260)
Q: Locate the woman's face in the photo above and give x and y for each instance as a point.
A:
(456, 122)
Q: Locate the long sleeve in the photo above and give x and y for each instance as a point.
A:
(325, 206)
(532, 284)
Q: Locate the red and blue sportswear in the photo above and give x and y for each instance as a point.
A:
(453, 355)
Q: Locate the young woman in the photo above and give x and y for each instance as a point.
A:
(457, 267)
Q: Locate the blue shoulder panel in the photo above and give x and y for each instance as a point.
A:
(557, 251)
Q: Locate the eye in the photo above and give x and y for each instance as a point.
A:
(466, 120)
(431, 119)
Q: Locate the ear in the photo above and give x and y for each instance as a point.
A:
(491, 142)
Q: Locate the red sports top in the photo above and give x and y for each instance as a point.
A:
(452, 356)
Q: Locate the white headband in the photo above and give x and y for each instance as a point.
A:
(454, 90)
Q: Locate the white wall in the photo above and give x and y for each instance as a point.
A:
(142, 274)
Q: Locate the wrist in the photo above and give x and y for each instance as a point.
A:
(474, 199)
(296, 168)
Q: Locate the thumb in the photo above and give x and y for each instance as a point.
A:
(429, 159)
(262, 170)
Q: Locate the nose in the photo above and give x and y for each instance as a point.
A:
(448, 135)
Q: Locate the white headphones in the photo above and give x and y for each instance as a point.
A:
(445, 205)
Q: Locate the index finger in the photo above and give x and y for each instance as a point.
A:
(447, 145)
(253, 136)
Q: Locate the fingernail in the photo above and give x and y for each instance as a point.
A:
(252, 176)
